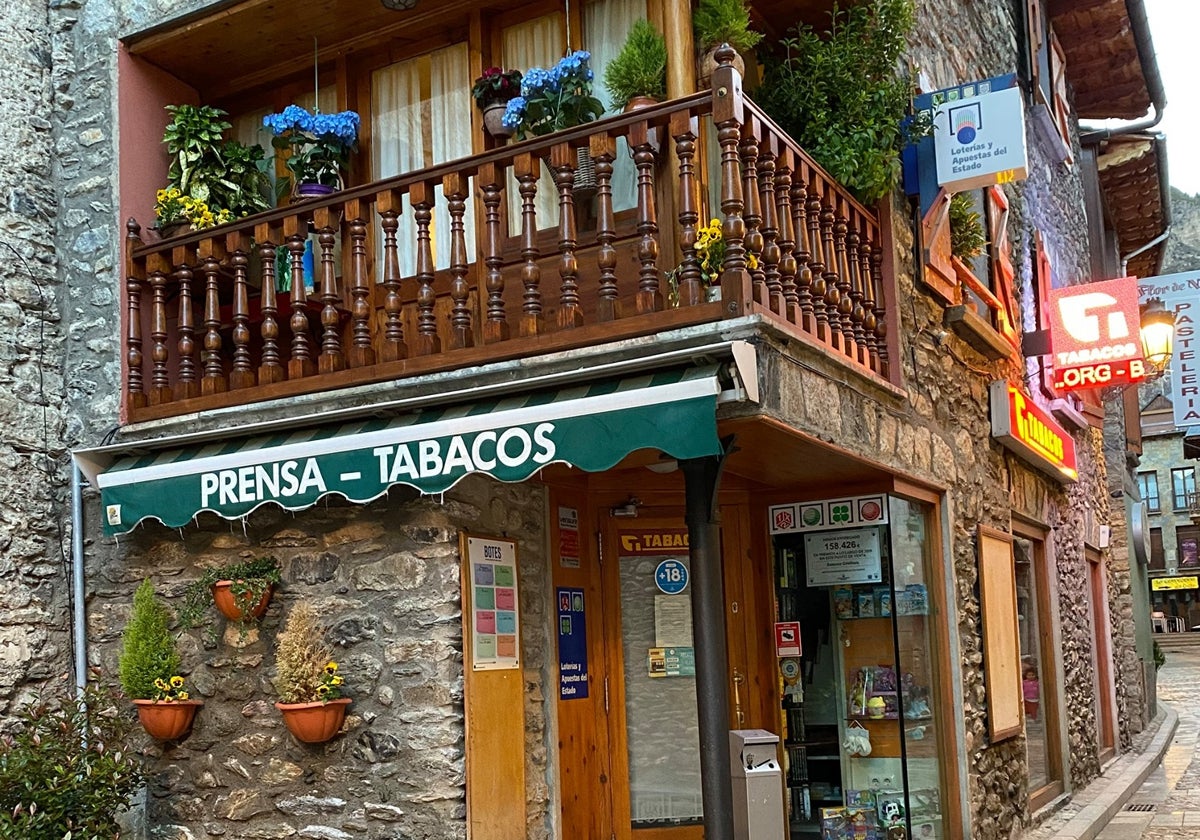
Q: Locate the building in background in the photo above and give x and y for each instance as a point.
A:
(459, 402)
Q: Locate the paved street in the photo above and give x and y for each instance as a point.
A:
(1167, 806)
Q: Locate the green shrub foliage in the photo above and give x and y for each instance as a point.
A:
(640, 69)
(967, 238)
(717, 22)
(148, 650)
(840, 95)
(64, 775)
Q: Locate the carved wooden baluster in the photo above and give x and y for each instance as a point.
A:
(270, 368)
(803, 307)
(816, 262)
(845, 306)
(160, 380)
(241, 374)
(495, 327)
(769, 264)
(528, 169)
(393, 347)
(787, 236)
(752, 214)
(332, 358)
(603, 150)
(187, 383)
(563, 161)
(688, 283)
(427, 342)
(455, 187)
(301, 363)
(362, 353)
(880, 312)
(213, 381)
(833, 334)
(135, 282)
(643, 141)
(856, 293)
(868, 302)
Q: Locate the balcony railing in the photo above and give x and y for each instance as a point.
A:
(207, 328)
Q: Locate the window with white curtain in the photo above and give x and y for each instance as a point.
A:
(606, 25)
(421, 117)
(533, 43)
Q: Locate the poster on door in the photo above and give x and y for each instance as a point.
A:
(495, 623)
(572, 645)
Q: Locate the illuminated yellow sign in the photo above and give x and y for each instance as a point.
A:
(1160, 584)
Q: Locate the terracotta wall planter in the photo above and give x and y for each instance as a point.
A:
(313, 723)
(167, 720)
(230, 606)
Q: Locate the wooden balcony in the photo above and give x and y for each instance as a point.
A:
(207, 328)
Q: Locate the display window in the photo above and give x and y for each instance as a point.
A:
(860, 714)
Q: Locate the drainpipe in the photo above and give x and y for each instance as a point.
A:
(701, 478)
(79, 613)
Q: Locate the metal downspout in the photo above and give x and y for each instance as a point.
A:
(1164, 190)
(702, 476)
(78, 610)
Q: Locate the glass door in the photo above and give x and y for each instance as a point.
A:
(652, 668)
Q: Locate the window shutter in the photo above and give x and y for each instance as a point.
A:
(1157, 558)
(1001, 263)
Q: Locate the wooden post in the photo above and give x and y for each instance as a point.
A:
(495, 327)
(269, 368)
(362, 354)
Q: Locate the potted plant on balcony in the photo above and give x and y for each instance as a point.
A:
(492, 92)
(210, 180)
(320, 147)
(307, 679)
(637, 77)
(717, 22)
(149, 669)
(241, 592)
(838, 94)
(556, 99)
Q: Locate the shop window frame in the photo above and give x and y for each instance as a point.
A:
(1179, 502)
(1048, 650)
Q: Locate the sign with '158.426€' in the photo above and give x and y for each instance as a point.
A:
(836, 557)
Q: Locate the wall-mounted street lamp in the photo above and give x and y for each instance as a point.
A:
(1158, 337)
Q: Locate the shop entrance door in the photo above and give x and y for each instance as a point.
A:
(653, 731)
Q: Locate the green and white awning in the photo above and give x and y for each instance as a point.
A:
(591, 427)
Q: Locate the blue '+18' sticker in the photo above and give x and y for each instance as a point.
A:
(671, 577)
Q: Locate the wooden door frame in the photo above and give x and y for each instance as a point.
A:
(1106, 695)
(1038, 535)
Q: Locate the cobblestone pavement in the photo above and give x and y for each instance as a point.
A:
(1173, 789)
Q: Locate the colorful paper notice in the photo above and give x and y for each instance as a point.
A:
(495, 620)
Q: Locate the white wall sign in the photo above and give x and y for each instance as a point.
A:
(1180, 293)
(834, 557)
(495, 620)
(980, 140)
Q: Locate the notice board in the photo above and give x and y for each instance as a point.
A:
(1001, 645)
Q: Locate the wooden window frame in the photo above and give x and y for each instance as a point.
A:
(1147, 479)
(1106, 700)
(1175, 503)
(1038, 535)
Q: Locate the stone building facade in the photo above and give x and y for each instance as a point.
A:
(388, 574)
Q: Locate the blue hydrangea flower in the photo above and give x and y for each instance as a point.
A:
(514, 113)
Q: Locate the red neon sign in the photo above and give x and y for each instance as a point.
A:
(1094, 335)
(1021, 426)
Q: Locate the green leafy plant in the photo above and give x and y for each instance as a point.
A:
(251, 579)
(64, 772)
(640, 68)
(148, 654)
(227, 178)
(320, 143)
(496, 86)
(717, 22)
(967, 238)
(1160, 658)
(839, 95)
(305, 671)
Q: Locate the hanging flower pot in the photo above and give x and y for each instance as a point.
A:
(493, 120)
(244, 600)
(167, 720)
(306, 190)
(316, 722)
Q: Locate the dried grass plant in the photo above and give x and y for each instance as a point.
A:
(304, 668)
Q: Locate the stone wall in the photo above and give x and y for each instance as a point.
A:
(35, 646)
(385, 577)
